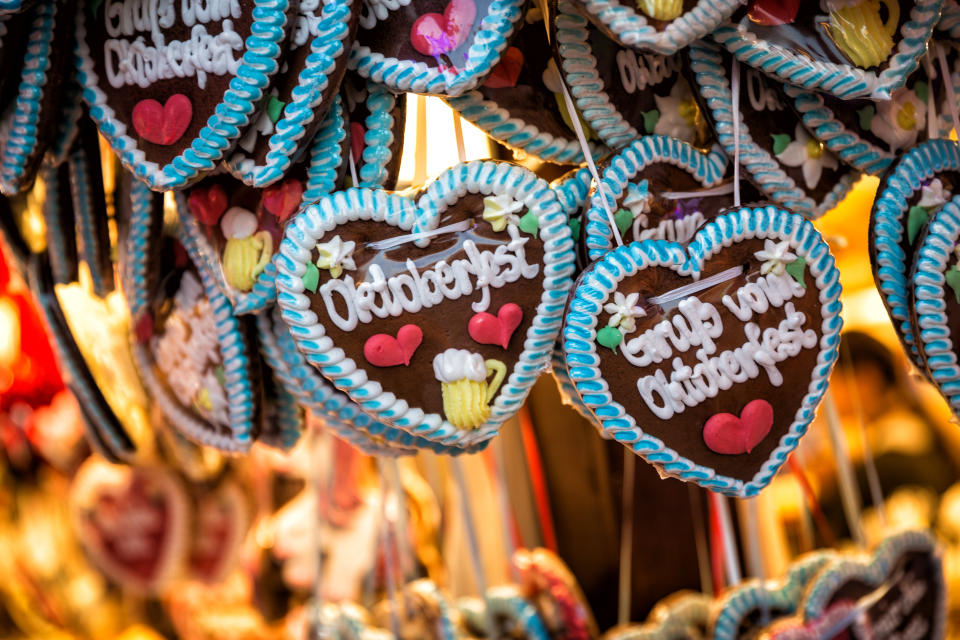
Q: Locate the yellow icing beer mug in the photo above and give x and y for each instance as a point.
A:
(247, 251)
(467, 392)
(858, 30)
(661, 9)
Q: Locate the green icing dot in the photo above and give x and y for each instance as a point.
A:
(311, 278)
(780, 142)
(220, 375)
(650, 120)
(274, 109)
(529, 223)
(574, 224)
(922, 90)
(953, 281)
(866, 116)
(916, 218)
(795, 269)
(609, 337)
(624, 219)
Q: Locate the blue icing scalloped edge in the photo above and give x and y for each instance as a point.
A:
(133, 265)
(580, 329)
(489, 42)
(632, 29)
(679, 616)
(842, 80)
(63, 264)
(300, 113)
(325, 160)
(873, 570)
(711, 79)
(288, 414)
(19, 142)
(378, 135)
(707, 168)
(477, 177)
(929, 289)
(887, 224)
(223, 127)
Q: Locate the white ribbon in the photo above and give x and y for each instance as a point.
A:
(721, 190)
(948, 83)
(735, 108)
(695, 287)
(391, 243)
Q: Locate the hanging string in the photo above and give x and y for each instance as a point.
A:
(683, 291)
(933, 121)
(719, 190)
(353, 168)
(316, 482)
(503, 501)
(700, 539)
(390, 573)
(473, 544)
(735, 108)
(823, 527)
(755, 559)
(407, 558)
(732, 564)
(849, 494)
(626, 536)
(948, 85)
(537, 480)
(458, 134)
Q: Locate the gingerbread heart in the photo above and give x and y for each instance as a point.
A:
(377, 118)
(776, 151)
(132, 522)
(910, 194)
(301, 93)
(897, 591)
(521, 103)
(192, 353)
(512, 615)
(237, 228)
(426, 46)
(219, 525)
(172, 123)
(547, 581)
(660, 337)
(622, 93)
(455, 390)
(681, 615)
(848, 49)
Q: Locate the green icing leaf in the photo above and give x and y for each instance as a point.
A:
(650, 119)
(953, 281)
(574, 224)
(609, 337)
(624, 219)
(866, 116)
(220, 375)
(780, 142)
(274, 109)
(922, 90)
(311, 278)
(529, 223)
(916, 218)
(795, 270)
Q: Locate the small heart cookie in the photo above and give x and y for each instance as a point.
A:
(660, 337)
(495, 229)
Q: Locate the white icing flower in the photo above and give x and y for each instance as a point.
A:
(336, 256)
(898, 121)
(934, 194)
(678, 113)
(809, 154)
(775, 256)
(501, 210)
(459, 364)
(637, 203)
(624, 312)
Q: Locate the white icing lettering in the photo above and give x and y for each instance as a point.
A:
(761, 96)
(641, 70)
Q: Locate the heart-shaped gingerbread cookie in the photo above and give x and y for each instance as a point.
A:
(910, 193)
(659, 338)
(172, 86)
(678, 616)
(444, 47)
(850, 49)
(219, 525)
(481, 236)
(132, 521)
(376, 119)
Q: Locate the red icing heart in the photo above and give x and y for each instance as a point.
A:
(727, 434)
(163, 124)
(207, 205)
(218, 530)
(433, 34)
(486, 328)
(772, 13)
(282, 199)
(357, 132)
(383, 350)
(505, 74)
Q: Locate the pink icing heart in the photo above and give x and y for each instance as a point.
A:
(433, 34)
(282, 199)
(727, 434)
(383, 350)
(163, 124)
(207, 205)
(488, 329)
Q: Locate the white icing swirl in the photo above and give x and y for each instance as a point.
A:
(459, 364)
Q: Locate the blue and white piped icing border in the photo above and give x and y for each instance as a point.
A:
(506, 602)
(783, 596)
(681, 615)
(224, 126)
(595, 287)
(18, 131)
(334, 37)
(950, 19)
(8, 7)
(888, 223)
(288, 415)
(929, 288)
(379, 136)
(489, 42)
(340, 414)
(714, 86)
(233, 347)
(93, 242)
(842, 80)
(630, 27)
(480, 177)
(874, 571)
(326, 159)
(706, 168)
